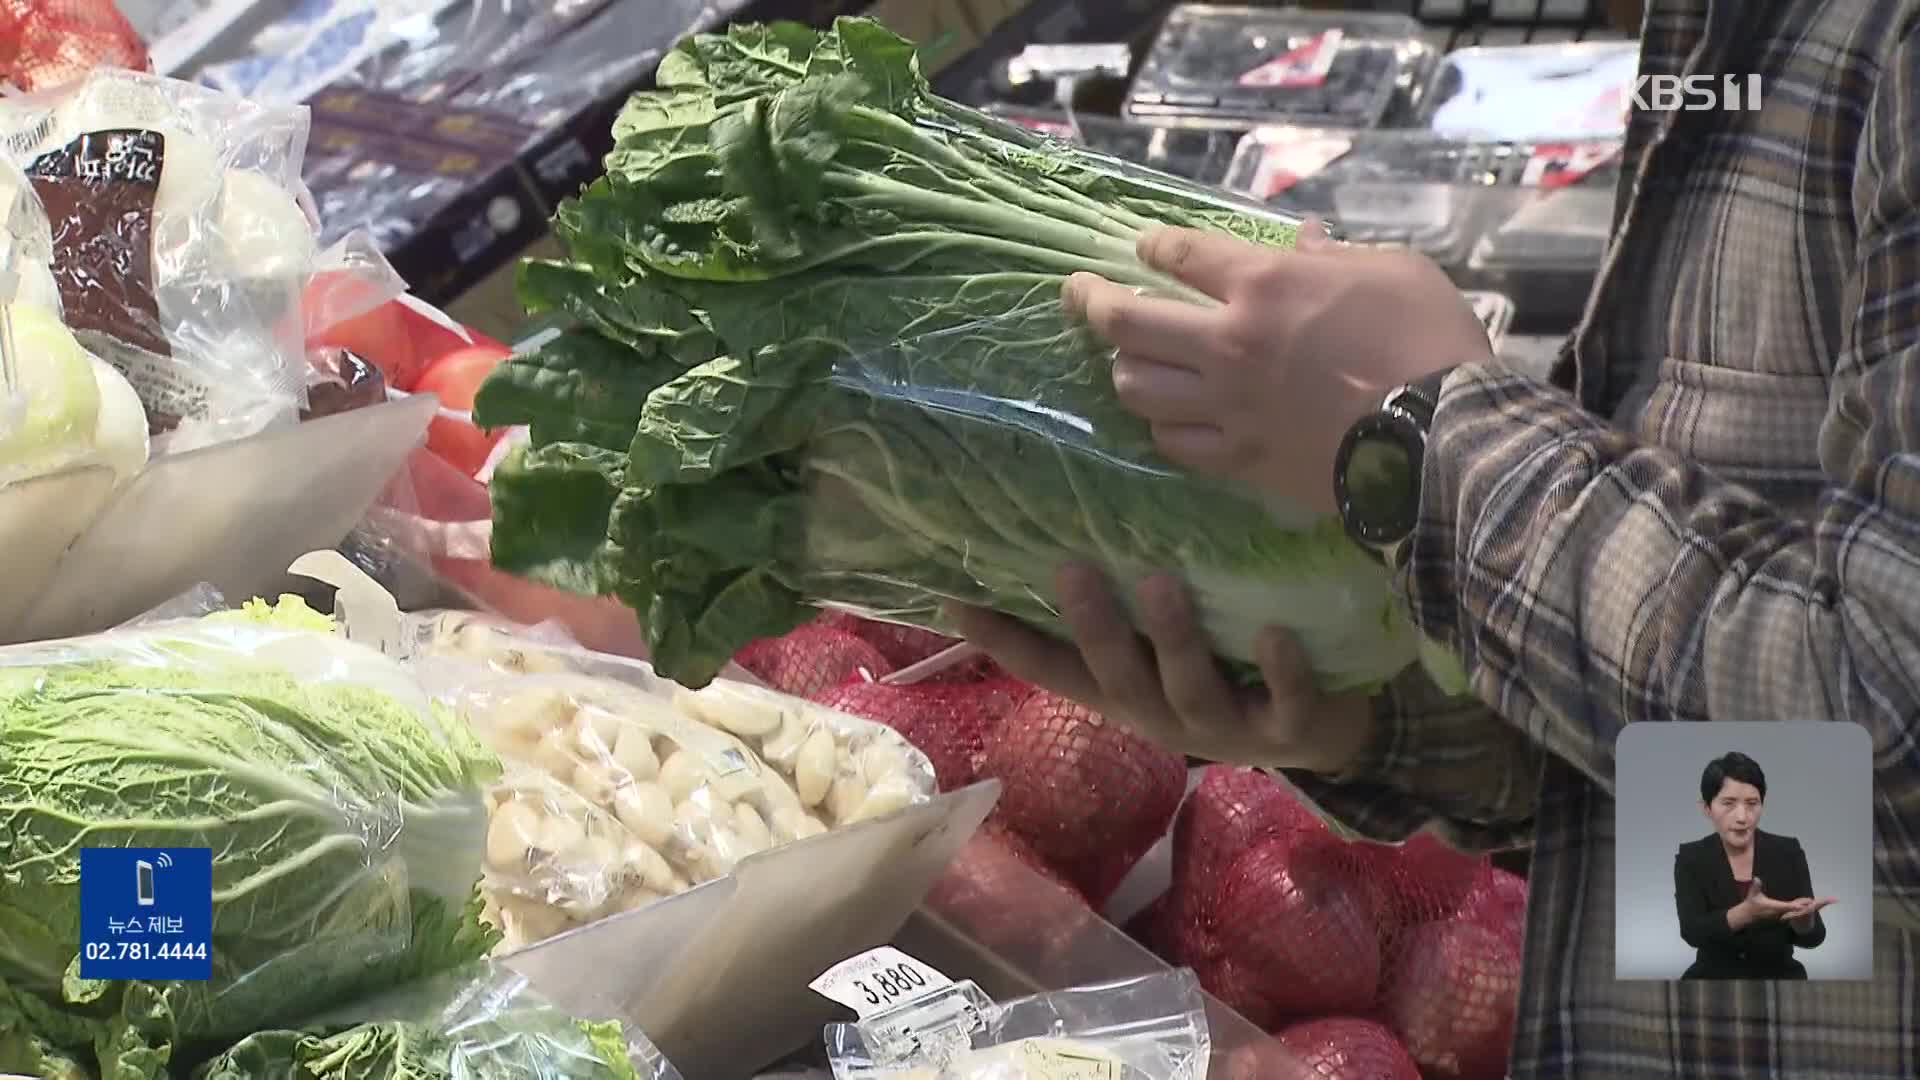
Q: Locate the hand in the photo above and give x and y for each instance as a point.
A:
(1763, 908)
(1262, 387)
(1804, 909)
(1168, 687)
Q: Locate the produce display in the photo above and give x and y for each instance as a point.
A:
(1322, 940)
(1534, 92)
(1225, 66)
(180, 245)
(820, 357)
(1197, 154)
(346, 811)
(618, 793)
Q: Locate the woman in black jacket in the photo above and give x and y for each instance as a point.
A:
(1726, 885)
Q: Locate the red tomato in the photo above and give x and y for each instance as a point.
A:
(456, 377)
(379, 337)
(433, 342)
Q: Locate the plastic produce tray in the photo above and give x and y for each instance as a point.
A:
(1217, 66)
(1533, 91)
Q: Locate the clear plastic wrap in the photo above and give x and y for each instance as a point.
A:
(1197, 154)
(347, 819)
(622, 788)
(885, 406)
(1222, 66)
(1534, 92)
(1153, 1027)
(481, 1021)
(183, 243)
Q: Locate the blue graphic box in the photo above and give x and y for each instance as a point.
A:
(146, 913)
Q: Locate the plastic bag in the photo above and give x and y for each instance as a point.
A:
(1539, 91)
(184, 242)
(484, 1021)
(623, 789)
(1149, 1028)
(45, 43)
(348, 819)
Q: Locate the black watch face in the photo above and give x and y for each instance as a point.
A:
(1382, 486)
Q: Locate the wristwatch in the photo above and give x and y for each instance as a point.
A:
(1376, 472)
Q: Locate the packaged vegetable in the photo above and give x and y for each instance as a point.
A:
(479, 1022)
(345, 812)
(620, 790)
(182, 242)
(823, 359)
(1151, 1027)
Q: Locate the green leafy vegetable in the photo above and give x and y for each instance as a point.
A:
(479, 1024)
(346, 826)
(818, 356)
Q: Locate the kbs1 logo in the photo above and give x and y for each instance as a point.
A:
(1696, 93)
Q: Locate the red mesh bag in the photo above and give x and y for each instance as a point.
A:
(1451, 994)
(948, 722)
(811, 659)
(1240, 986)
(45, 43)
(1499, 903)
(904, 646)
(1008, 899)
(1230, 811)
(1348, 1048)
(1267, 1059)
(1299, 913)
(1089, 796)
(1428, 880)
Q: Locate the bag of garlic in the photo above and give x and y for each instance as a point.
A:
(181, 242)
(1150, 1027)
(622, 788)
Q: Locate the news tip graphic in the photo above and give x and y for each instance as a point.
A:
(146, 913)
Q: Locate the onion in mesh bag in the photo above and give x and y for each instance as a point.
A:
(1348, 1048)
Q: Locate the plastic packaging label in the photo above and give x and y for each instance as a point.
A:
(1408, 206)
(1558, 165)
(882, 979)
(1044, 1060)
(1305, 66)
(1283, 164)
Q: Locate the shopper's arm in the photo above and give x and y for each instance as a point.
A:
(1590, 581)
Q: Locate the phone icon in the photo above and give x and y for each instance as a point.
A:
(144, 871)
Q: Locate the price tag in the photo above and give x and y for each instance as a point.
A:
(1300, 67)
(1288, 157)
(146, 913)
(1048, 1059)
(878, 980)
(1558, 165)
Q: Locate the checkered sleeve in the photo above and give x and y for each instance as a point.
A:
(1589, 581)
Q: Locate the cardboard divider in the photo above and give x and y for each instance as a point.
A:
(232, 515)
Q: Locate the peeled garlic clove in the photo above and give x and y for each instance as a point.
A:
(554, 754)
(636, 898)
(787, 823)
(514, 831)
(783, 748)
(533, 713)
(649, 867)
(848, 792)
(595, 731)
(880, 801)
(729, 710)
(810, 826)
(779, 794)
(683, 773)
(881, 762)
(633, 751)
(595, 782)
(647, 812)
(751, 829)
(560, 832)
(814, 769)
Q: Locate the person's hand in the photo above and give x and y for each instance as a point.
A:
(1168, 687)
(1262, 387)
(1763, 908)
(1804, 909)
